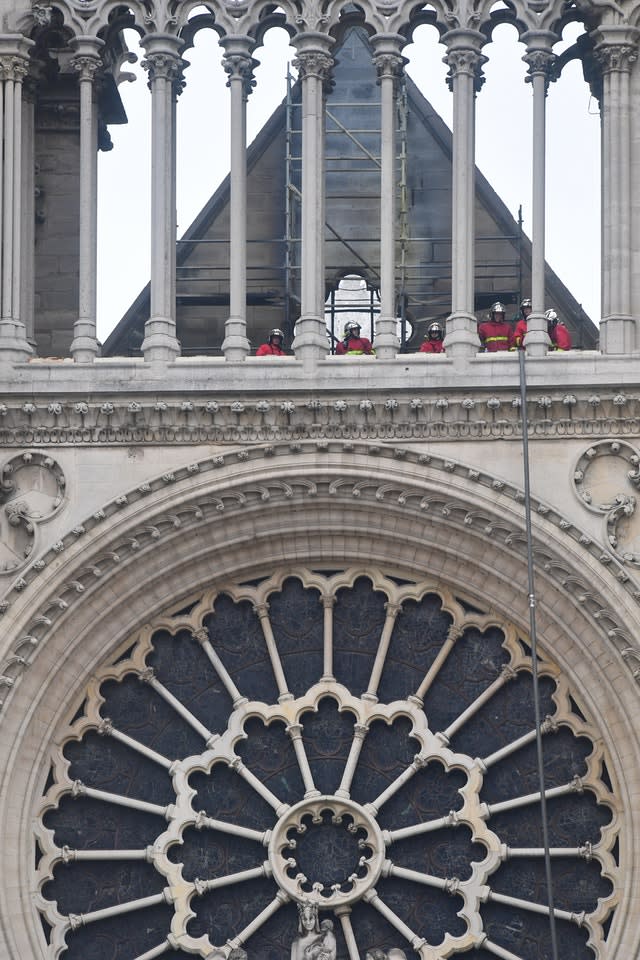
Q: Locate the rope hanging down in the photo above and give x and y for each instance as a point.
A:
(534, 654)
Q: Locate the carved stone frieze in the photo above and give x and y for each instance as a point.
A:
(171, 420)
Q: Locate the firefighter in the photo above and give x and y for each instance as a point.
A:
(520, 331)
(434, 339)
(353, 345)
(495, 333)
(273, 347)
(558, 333)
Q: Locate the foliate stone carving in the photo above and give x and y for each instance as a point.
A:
(541, 63)
(390, 65)
(86, 66)
(314, 64)
(165, 66)
(490, 417)
(32, 491)
(13, 68)
(616, 57)
(465, 63)
(606, 479)
(239, 66)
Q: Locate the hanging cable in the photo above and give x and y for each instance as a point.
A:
(534, 655)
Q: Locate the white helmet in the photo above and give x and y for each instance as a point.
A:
(552, 316)
(525, 303)
(497, 307)
(435, 331)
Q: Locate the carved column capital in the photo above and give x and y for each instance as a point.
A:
(162, 60)
(314, 64)
(238, 63)
(165, 66)
(239, 66)
(86, 60)
(464, 57)
(541, 63)
(86, 66)
(14, 68)
(387, 56)
(616, 49)
(14, 57)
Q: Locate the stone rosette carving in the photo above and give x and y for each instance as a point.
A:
(32, 488)
(606, 478)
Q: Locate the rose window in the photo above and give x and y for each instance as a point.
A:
(346, 748)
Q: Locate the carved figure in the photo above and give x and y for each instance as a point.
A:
(374, 953)
(324, 947)
(237, 954)
(308, 930)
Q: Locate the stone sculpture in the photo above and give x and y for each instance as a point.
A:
(308, 930)
(324, 946)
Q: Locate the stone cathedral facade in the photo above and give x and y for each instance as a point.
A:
(267, 683)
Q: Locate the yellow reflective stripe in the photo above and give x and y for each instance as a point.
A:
(493, 339)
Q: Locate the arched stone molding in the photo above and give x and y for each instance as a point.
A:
(435, 520)
(90, 19)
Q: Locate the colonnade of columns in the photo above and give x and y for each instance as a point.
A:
(616, 51)
(14, 68)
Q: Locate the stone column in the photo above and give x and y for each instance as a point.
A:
(14, 66)
(239, 66)
(27, 273)
(314, 65)
(465, 63)
(389, 63)
(84, 346)
(616, 49)
(541, 60)
(164, 67)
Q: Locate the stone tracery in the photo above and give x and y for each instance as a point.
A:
(280, 746)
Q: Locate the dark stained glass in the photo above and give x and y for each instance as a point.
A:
(262, 767)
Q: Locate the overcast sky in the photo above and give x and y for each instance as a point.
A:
(503, 154)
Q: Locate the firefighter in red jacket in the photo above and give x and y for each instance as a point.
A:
(495, 333)
(434, 339)
(353, 344)
(273, 347)
(558, 333)
(520, 331)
